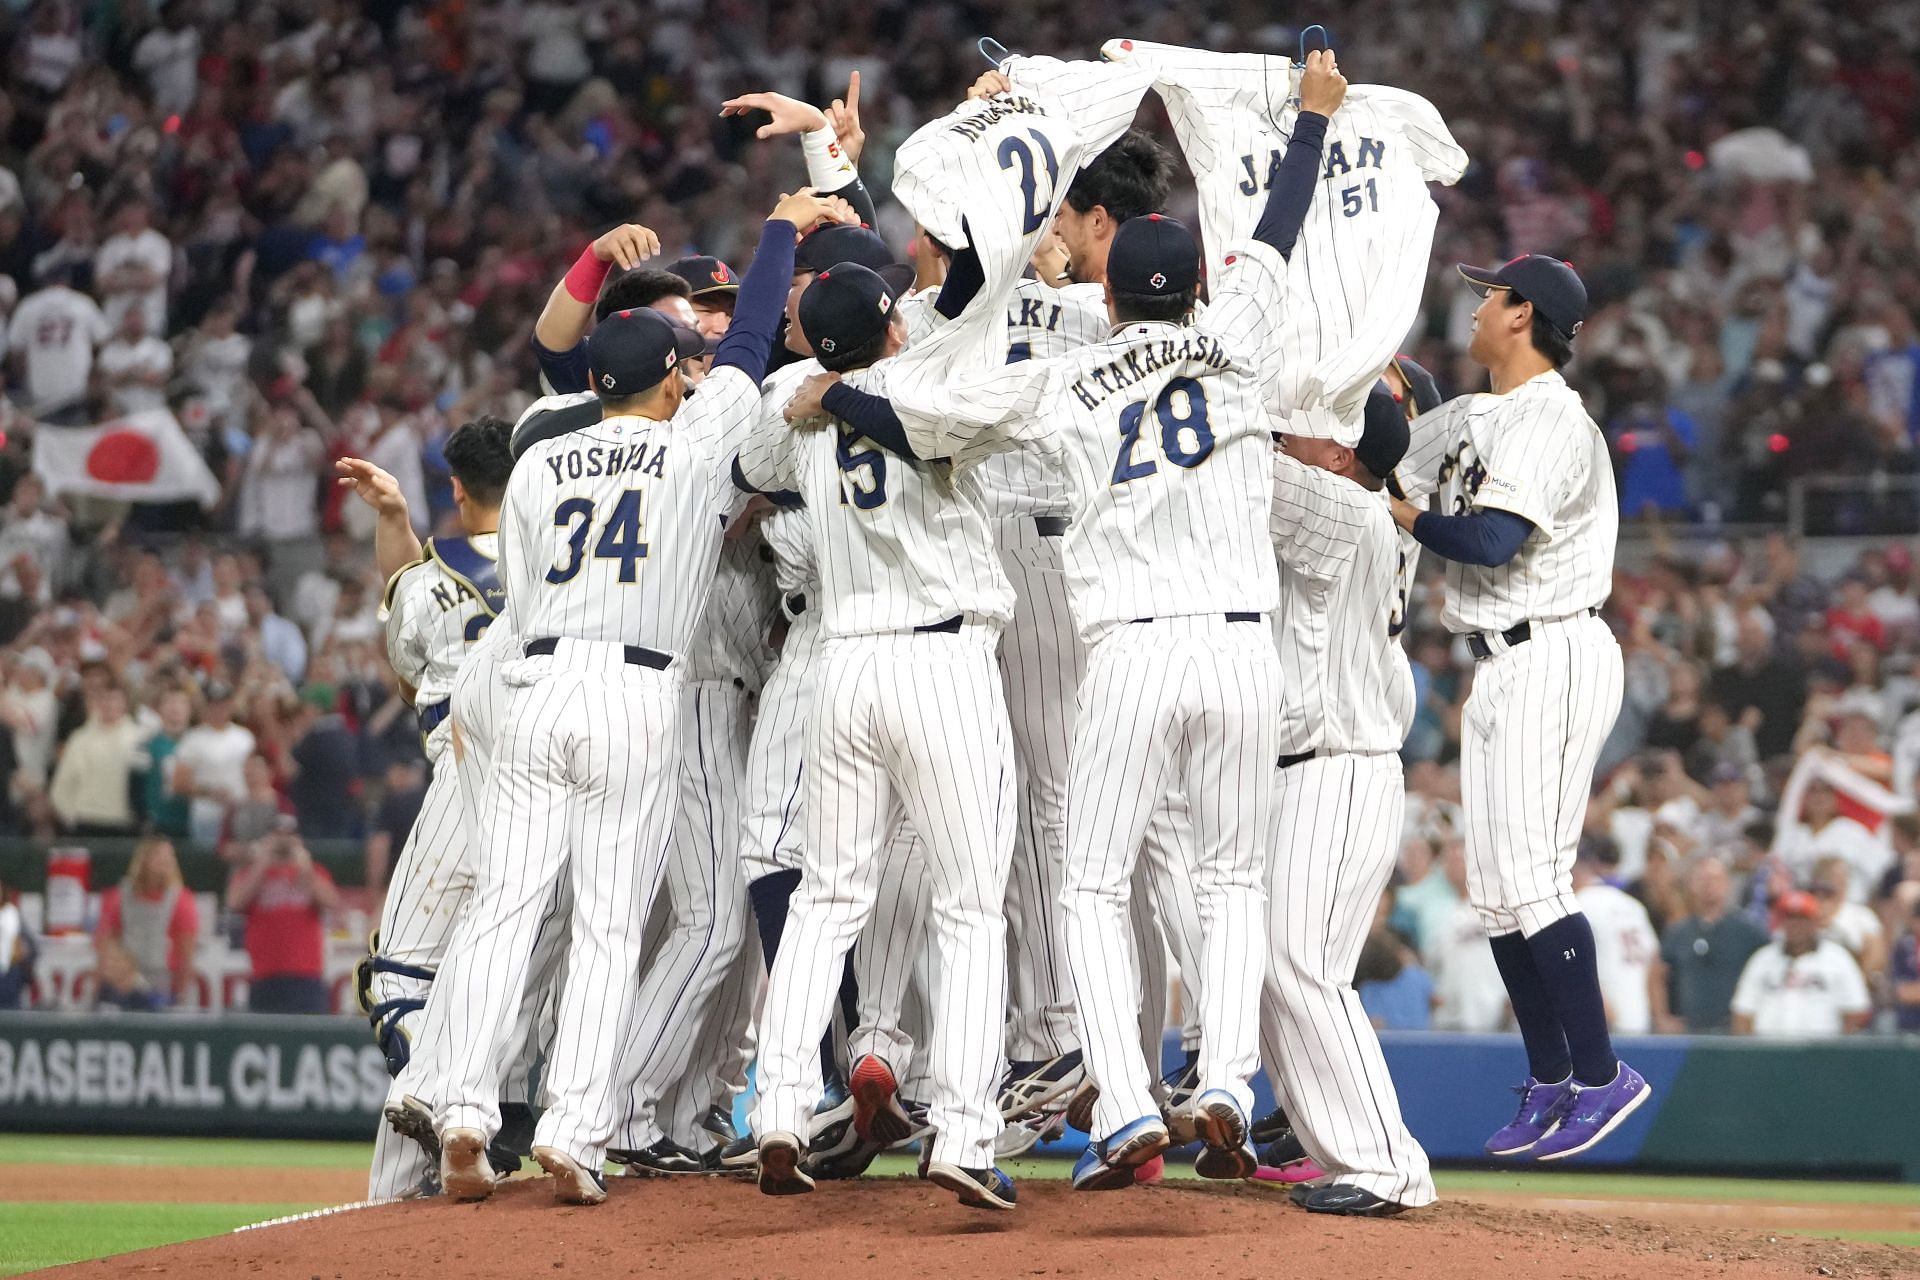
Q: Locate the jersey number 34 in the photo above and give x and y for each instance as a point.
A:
(1186, 437)
(619, 535)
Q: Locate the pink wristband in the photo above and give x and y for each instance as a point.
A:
(585, 277)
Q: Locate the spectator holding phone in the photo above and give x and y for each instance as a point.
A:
(284, 897)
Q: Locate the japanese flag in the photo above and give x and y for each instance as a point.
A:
(143, 457)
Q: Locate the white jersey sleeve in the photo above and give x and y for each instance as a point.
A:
(1317, 518)
(406, 637)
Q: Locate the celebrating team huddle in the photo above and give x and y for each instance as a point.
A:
(982, 633)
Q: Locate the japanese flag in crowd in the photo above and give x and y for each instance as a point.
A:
(143, 457)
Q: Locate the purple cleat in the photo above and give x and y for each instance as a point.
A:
(1542, 1107)
(1594, 1112)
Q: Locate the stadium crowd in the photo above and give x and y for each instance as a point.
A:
(319, 228)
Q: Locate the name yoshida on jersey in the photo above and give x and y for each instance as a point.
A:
(1536, 453)
(611, 532)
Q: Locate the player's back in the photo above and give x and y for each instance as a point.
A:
(1042, 322)
(1165, 443)
(900, 544)
(612, 532)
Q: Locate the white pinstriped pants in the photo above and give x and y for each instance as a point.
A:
(689, 980)
(1529, 739)
(1335, 844)
(428, 890)
(580, 793)
(909, 727)
(1043, 659)
(888, 958)
(1191, 704)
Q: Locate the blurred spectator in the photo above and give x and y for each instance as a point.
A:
(1395, 990)
(1851, 924)
(1823, 831)
(1705, 953)
(144, 943)
(326, 765)
(51, 339)
(1729, 811)
(17, 952)
(1424, 901)
(1625, 950)
(284, 896)
(280, 640)
(1801, 984)
(133, 367)
(168, 808)
(406, 791)
(92, 788)
(1763, 684)
(210, 764)
(1904, 974)
(1467, 991)
(34, 545)
(256, 815)
(130, 272)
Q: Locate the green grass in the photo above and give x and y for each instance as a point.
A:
(45, 1235)
(1662, 1187)
(247, 1153)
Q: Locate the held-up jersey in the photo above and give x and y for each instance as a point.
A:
(1536, 453)
(989, 176)
(1348, 687)
(436, 608)
(611, 532)
(1163, 434)
(899, 544)
(1042, 322)
(1359, 266)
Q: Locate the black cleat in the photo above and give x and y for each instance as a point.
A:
(1346, 1200)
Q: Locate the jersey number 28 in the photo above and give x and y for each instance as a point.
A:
(1181, 409)
(619, 536)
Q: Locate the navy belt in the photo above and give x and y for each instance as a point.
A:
(433, 714)
(1050, 526)
(636, 656)
(1299, 757)
(950, 627)
(1230, 617)
(1519, 633)
(797, 603)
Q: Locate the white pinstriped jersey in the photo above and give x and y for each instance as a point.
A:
(1418, 479)
(611, 532)
(789, 535)
(1042, 322)
(899, 544)
(1164, 438)
(1348, 687)
(432, 620)
(1358, 270)
(1536, 453)
(730, 641)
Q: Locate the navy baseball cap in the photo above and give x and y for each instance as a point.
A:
(630, 351)
(1383, 437)
(1552, 286)
(846, 307)
(1426, 390)
(1155, 256)
(839, 243)
(705, 275)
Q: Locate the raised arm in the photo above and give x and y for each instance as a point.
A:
(1322, 90)
(763, 289)
(830, 165)
(564, 320)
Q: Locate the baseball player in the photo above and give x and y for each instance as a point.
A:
(1162, 430)
(1347, 708)
(1355, 284)
(1527, 526)
(435, 609)
(610, 538)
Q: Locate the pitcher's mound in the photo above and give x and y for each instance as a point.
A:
(900, 1228)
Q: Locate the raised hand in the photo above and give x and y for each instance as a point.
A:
(844, 116)
(790, 115)
(627, 246)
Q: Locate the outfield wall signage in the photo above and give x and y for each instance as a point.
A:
(158, 1073)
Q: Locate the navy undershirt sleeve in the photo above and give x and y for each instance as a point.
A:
(761, 304)
(1487, 538)
(856, 194)
(1292, 192)
(872, 416)
(565, 371)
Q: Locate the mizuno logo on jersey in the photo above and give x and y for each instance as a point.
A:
(1148, 357)
(612, 460)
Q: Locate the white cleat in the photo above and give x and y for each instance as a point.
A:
(464, 1171)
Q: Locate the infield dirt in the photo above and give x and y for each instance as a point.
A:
(883, 1229)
